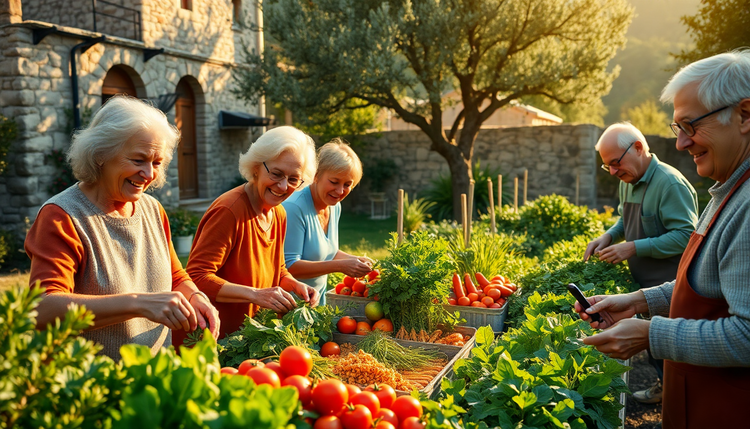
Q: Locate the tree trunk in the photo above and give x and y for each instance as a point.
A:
(460, 178)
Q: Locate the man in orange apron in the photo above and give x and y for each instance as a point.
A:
(658, 211)
(700, 322)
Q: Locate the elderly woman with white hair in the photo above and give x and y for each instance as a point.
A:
(105, 244)
(237, 257)
(312, 245)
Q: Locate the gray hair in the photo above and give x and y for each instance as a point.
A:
(273, 143)
(337, 156)
(627, 133)
(724, 79)
(116, 122)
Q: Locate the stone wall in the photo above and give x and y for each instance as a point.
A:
(553, 155)
(110, 19)
(36, 92)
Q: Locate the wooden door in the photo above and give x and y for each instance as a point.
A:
(115, 82)
(187, 159)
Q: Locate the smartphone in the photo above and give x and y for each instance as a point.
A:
(573, 289)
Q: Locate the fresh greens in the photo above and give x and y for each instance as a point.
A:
(388, 352)
(415, 275)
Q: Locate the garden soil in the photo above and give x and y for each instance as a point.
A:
(642, 376)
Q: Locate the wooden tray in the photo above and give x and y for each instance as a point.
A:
(454, 353)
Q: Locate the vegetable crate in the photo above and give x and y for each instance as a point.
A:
(478, 317)
(356, 304)
(454, 353)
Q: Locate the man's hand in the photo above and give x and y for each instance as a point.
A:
(626, 338)
(597, 245)
(618, 252)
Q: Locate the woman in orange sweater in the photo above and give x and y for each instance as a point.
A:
(237, 257)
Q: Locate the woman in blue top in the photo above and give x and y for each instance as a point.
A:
(311, 249)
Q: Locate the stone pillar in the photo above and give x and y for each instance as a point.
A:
(10, 12)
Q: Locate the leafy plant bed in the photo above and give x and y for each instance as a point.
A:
(477, 317)
(454, 353)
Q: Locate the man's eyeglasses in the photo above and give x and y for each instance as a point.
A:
(688, 127)
(606, 167)
(292, 181)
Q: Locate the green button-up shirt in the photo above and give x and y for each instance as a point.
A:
(668, 215)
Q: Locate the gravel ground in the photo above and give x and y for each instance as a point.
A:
(642, 376)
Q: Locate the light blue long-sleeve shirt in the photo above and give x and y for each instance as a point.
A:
(305, 238)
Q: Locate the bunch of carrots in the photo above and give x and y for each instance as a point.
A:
(485, 294)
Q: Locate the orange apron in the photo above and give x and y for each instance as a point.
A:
(700, 397)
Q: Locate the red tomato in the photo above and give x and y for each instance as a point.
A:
(349, 281)
(406, 406)
(329, 396)
(264, 376)
(363, 328)
(452, 301)
(275, 367)
(355, 293)
(382, 424)
(384, 325)
(339, 287)
(356, 417)
(359, 286)
(495, 305)
(295, 360)
(346, 291)
(494, 293)
(303, 386)
(229, 370)
(330, 349)
(473, 297)
(387, 415)
(488, 301)
(412, 423)
(249, 364)
(372, 274)
(368, 399)
(346, 325)
(328, 422)
(385, 393)
(352, 389)
(465, 301)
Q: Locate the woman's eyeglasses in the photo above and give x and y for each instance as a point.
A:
(292, 181)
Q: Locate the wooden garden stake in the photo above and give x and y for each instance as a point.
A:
(492, 206)
(515, 194)
(500, 191)
(400, 227)
(578, 186)
(471, 204)
(525, 185)
(464, 218)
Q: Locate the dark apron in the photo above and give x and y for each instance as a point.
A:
(646, 271)
(699, 397)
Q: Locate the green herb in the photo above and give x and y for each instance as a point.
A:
(416, 275)
(387, 351)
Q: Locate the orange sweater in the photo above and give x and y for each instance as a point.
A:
(57, 252)
(230, 246)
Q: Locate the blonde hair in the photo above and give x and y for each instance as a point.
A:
(337, 156)
(273, 143)
(113, 125)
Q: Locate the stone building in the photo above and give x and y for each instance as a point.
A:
(60, 59)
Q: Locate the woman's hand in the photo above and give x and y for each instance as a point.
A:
(206, 313)
(171, 309)
(307, 293)
(623, 340)
(612, 308)
(274, 298)
(356, 267)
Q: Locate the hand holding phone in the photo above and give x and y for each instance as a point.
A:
(573, 289)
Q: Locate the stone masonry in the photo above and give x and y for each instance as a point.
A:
(203, 46)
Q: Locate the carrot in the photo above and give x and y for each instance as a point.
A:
(505, 290)
(470, 288)
(458, 287)
(481, 279)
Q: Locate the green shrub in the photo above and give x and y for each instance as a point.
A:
(182, 223)
(64, 177)
(8, 133)
(415, 213)
(377, 172)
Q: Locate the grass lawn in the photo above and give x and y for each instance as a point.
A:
(360, 235)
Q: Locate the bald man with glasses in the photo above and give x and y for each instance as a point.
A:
(658, 212)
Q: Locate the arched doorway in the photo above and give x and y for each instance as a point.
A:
(187, 159)
(117, 81)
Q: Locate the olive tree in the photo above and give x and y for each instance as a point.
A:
(405, 55)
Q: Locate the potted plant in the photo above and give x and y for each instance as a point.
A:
(183, 224)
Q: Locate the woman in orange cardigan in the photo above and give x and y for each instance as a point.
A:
(237, 257)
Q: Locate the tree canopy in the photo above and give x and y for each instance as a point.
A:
(719, 26)
(405, 55)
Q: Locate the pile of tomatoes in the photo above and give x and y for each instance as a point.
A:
(358, 286)
(339, 405)
(489, 293)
